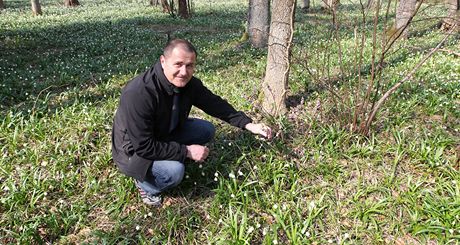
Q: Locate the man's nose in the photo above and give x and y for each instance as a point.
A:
(183, 70)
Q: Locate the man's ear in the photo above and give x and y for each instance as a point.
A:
(162, 59)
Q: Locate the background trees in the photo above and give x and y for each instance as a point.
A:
(2, 5)
(36, 8)
(404, 13)
(259, 22)
(71, 3)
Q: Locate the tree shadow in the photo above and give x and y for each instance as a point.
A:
(59, 58)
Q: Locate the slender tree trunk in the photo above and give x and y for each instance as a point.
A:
(154, 2)
(404, 12)
(36, 8)
(2, 5)
(259, 22)
(184, 11)
(165, 6)
(71, 3)
(304, 4)
(278, 58)
(329, 4)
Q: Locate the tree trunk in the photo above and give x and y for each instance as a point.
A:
(404, 13)
(2, 5)
(329, 4)
(454, 15)
(154, 2)
(304, 4)
(36, 8)
(184, 11)
(259, 22)
(71, 3)
(278, 58)
(165, 6)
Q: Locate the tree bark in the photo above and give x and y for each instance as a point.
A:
(71, 3)
(36, 8)
(154, 2)
(305, 4)
(165, 6)
(278, 58)
(404, 13)
(454, 15)
(184, 11)
(259, 22)
(329, 4)
(2, 5)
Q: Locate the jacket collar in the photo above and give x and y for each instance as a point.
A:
(168, 86)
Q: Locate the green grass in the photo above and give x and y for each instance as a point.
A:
(60, 79)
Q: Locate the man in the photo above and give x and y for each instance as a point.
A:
(152, 134)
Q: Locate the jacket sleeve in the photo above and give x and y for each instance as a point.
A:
(138, 117)
(217, 107)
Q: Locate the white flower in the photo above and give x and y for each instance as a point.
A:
(264, 231)
(275, 241)
(150, 214)
(330, 241)
(200, 166)
(275, 206)
(250, 229)
(231, 175)
(240, 173)
(186, 176)
(216, 174)
(311, 205)
(137, 227)
(255, 167)
(346, 235)
(232, 196)
(307, 234)
(215, 179)
(202, 173)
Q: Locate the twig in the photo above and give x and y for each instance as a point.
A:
(398, 84)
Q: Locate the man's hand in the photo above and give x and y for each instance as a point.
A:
(260, 129)
(197, 152)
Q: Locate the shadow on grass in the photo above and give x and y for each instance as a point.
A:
(55, 59)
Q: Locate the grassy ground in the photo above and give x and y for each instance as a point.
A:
(61, 75)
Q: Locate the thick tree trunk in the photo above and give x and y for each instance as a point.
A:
(71, 3)
(454, 15)
(259, 22)
(278, 58)
(184, 11)
(404, 13)
(2, 5)
(304, 4)
(36, 8)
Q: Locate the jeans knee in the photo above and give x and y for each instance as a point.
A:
(210, 131)
(176, 173)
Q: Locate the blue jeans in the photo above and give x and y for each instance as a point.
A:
(165, 174)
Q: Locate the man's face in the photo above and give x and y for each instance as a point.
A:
(179, 66)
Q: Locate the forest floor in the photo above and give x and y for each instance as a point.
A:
(316, 182)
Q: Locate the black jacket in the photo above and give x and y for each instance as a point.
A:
(141, 123)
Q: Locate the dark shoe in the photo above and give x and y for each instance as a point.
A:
(148, 199)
